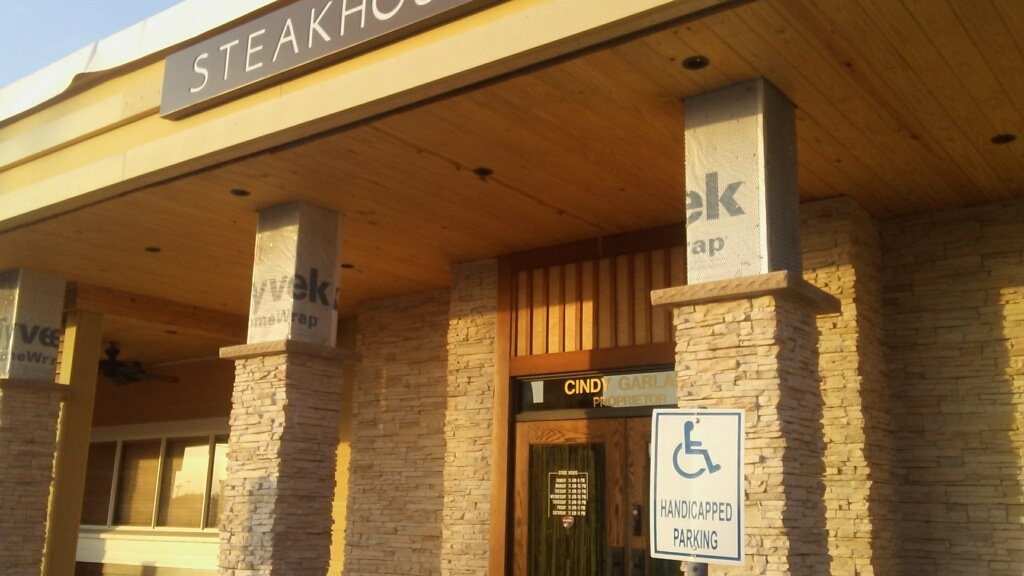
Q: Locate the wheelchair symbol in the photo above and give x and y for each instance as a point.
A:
(693, 448)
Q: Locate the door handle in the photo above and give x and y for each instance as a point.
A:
(638, 520)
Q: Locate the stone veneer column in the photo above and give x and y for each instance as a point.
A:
(30, 402)
(842, 255)
(28, 440)
(276, 507)
(472, 329)
(752, 343)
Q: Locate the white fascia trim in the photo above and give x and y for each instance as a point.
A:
(174, 26)
(166, 549)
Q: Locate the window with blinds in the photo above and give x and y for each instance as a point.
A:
(160, 482)
(136, 481)
(183, 482)
(98, 480)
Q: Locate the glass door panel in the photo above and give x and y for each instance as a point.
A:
(566, 525)
(568, 498)
(581, 498)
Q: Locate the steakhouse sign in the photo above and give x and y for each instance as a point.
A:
(290, 41)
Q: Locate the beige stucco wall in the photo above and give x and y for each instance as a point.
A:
(203, 390)
(339, 508)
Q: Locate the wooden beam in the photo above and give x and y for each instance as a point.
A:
(586, 360)
(79, 357)
(597, 248)
(501, 468)
(111, 302)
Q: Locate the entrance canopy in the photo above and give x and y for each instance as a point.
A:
(525, 125)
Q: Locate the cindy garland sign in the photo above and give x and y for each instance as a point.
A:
(292, 40)
(598, 391)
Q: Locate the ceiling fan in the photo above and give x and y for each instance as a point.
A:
(121, 372)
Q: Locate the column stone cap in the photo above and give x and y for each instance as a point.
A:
(281, 347)
(42, 386)
(747, 287)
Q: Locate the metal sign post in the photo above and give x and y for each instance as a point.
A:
(696, 569)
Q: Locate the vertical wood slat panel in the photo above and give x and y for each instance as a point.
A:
(605, 303)
(573, 304)
(539, 297)
(556, 310)
(660, 320)
(523, 314)
(676, 276)
(624, 300)
(641, 298)
(595, 303)
(677, 269)
(588, 292)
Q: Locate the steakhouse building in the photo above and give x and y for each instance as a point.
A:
(351, 284)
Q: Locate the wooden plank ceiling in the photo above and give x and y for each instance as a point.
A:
(897, 104)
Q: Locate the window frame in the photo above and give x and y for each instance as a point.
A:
(211, 428)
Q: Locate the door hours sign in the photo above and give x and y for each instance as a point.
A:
(567, 493)
(697, 485)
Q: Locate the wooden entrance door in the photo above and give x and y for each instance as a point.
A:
(581, 497)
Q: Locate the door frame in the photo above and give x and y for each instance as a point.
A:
(625, 442)
(608, 431)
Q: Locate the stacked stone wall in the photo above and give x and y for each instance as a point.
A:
(28, 438)
(396, 482)
(760, 354)
(281, 457)
(954, 311)
(468, 428)
(842, 256)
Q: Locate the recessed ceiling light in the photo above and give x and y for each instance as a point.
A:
(1003, 138)
(240, 192)
(153, 249)
(697, 62)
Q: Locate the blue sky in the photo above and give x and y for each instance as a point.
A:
(34, 33)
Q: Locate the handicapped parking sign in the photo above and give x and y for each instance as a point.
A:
(697, 485)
